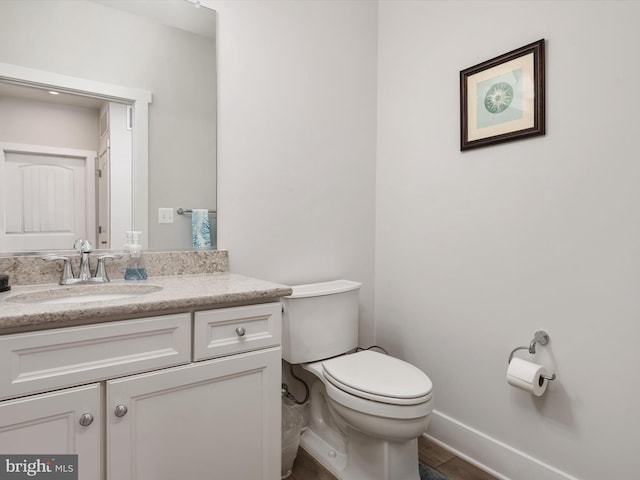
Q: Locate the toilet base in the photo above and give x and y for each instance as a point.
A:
(366, 457)
(324, 453)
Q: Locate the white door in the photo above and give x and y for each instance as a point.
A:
(47, 198)
(50, 424)
(207, 420)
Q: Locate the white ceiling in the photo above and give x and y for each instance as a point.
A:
(42, 95)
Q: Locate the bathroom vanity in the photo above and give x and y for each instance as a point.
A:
(180, 382)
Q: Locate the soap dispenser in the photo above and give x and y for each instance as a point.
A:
(135, 270)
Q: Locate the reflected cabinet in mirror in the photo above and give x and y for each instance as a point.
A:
(107, 122)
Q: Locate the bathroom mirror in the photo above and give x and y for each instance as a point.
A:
(162, 49)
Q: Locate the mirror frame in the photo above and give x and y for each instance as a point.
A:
(140, 99)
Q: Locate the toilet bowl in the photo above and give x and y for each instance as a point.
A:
(367, 409)
(362, 426)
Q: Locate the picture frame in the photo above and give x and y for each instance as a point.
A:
(503, 99)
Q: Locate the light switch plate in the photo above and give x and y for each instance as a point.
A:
(165, 215)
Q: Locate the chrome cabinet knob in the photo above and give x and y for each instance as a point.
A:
(240, 331)
(120, 411)
(86, 419)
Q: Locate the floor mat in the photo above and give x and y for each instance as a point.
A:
(428, 473)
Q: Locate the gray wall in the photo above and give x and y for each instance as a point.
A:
(496, 243)
(39, 123)
(297, 141)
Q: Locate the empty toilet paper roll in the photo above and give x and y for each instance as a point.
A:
(527, 376)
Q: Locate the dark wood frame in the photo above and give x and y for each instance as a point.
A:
(538, 128)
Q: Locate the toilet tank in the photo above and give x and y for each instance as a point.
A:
(320, 320)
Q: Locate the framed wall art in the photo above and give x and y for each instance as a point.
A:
(502, 99)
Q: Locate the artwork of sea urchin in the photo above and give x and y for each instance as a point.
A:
(498, 98)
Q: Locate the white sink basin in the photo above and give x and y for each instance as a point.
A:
(83, 294)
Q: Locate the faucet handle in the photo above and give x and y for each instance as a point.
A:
(67, 271)
(101, 271)
(82, 246)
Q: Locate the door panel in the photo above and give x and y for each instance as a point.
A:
(50, 424)
(48, 202)
(206, 420)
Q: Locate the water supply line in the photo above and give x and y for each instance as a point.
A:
(359, 349)
(285, 389)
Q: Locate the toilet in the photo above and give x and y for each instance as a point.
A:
(367, 409)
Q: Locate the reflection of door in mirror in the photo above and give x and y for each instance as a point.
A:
(114, 160)
(42, 186)
(102, 181)
(67, 125)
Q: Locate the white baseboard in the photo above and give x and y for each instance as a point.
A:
(487, 453)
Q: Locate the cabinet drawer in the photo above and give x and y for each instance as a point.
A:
(46, 360)
(233, 330)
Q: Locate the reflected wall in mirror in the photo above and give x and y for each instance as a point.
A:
(165, 48)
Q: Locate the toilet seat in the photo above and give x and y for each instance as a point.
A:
(379, 378)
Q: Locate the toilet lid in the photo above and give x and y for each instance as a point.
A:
(378, 377)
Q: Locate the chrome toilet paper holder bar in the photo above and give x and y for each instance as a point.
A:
(540, 337)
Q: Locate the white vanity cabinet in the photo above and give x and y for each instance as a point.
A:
(193, 395)
(208, 420)
(51, 423)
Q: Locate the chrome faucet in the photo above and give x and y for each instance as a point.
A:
(83, 248)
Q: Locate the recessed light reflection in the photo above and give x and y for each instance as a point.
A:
(54, 93)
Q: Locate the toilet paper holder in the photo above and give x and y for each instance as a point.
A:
(540, 337)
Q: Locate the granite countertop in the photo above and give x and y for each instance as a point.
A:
(181, 293)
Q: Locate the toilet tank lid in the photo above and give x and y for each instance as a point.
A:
(323, 288)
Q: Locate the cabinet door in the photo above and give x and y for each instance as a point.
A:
(217, 419)
(50, 424)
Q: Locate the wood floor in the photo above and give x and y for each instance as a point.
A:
(306, 468)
